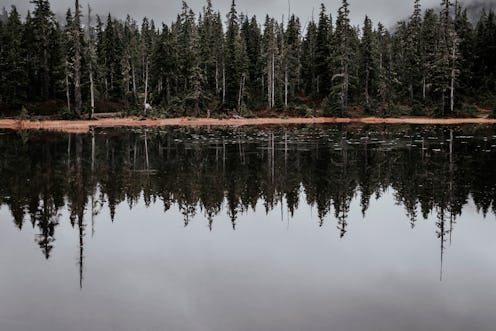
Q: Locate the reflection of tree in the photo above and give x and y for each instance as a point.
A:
(210, 171)
(442, 233)
(78, 199)
(46, 218)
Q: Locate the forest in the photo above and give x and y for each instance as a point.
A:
(437, 62)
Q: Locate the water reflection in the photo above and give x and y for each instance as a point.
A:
(210, 171)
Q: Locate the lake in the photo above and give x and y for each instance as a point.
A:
(322, 227)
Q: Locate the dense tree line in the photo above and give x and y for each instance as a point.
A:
(436, 61)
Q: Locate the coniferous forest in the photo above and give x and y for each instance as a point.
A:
(436, 62)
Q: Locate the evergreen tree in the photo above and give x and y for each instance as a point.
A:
(69, 57)
(92, 61)
(342, 57)
(195, 64)
(293, 56)
(308, 61)
(147, 41)
(485, 62)
(13, 76)
(209, 37)
(76, 42)
(132, 61)
(323, 53)
(413, 52)
(465, 32)
(45, 50)
(368, 68)
(162, 65)
(428, 53)
(385, 72)
(234, 59)
(110, 54)
(252, 37)
(270, 54)
(446, 60)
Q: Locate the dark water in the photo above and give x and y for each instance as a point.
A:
(298, 228)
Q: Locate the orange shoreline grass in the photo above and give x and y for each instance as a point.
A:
(83, 126)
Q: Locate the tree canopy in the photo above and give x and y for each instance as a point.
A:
(436, 62)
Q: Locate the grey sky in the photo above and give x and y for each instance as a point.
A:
(386, 11)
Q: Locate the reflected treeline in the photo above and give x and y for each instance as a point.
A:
(210, 171)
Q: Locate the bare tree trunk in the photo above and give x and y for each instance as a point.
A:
(273, 79)
(67, 86)
(217, 76)
(444, 101)
(78, 103)
(423, 88)
(453, 76)
(135, 94)
(269, 84)
(241, 91)
(286, 83)
(146, 85)
(92, 93)
(92, 85)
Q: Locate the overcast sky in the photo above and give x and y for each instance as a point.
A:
(386, 11)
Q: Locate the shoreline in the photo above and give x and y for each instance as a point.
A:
(84, 126)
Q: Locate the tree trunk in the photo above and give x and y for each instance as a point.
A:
(216, 76)
(444, 102)
(273, 79)
(168, 90)
(146, 86)
(135, 94)
(263, 85)
(92, 84)
(346, 85)
(286, 83)
(223, 82)
(367, 77)
(269, 84)
(241, 91)
(67, 86)
(78, 103)
(453, 78)
(92, 93)
(423, 88)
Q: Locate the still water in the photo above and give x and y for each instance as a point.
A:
(277, 228)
